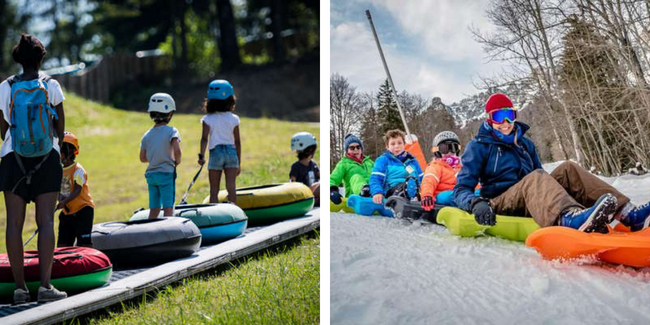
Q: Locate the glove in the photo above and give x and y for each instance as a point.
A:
(335, 196)
(483, 212)
(427, 203)
(365, 191)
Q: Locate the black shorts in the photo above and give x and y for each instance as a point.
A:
(45, 180)
(76, 226)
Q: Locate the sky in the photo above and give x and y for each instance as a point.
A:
(428, 46)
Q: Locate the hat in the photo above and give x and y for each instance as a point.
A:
(497, 101)
(350, 139)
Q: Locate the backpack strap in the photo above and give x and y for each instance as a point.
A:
(12, 80)
(27, 176)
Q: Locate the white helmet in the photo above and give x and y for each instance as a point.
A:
(445, 136)
(302, 140)
(162, 103)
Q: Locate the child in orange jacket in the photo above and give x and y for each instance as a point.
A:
(440, 176)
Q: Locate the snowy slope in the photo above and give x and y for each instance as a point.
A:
(387, 271)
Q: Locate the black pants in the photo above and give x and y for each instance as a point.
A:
(76, 226)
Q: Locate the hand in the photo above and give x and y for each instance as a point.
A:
(238, 171)
(378, 198)
(335, 196)
(59, 206)
(201, 159)
(427, 203)
(483, 212)
(410, 138)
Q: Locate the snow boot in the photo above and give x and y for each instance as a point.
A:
(594, 219)
(365, 191)
(637, 217)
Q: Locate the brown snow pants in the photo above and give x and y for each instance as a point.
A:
(544, 196)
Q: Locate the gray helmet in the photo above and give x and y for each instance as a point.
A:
(445, 136)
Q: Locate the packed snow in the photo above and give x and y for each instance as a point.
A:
(389, 271)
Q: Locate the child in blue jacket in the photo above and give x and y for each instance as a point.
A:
(393, 167)
(513, 182)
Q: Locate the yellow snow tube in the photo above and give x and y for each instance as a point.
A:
(271, 203)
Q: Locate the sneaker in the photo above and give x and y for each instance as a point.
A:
(594, 219)
(21, 296)
(637, 218)
(51, 294)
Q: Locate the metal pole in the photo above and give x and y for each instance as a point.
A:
(390, 79)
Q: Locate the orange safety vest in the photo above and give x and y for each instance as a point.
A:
(68, 185)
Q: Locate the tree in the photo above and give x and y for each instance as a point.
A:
(387, 111)
(345, 111)
(592, 88)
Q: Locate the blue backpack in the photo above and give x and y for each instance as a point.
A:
(31, 116)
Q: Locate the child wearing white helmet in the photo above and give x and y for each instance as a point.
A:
(221, 137)
(305, 170)
(160, 147)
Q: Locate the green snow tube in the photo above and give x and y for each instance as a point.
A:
(272, 203)
(74, 269)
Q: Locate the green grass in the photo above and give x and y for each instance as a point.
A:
(109, 141)
(277, 286)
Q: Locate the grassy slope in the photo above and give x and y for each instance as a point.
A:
(110, 146)
(275, 287)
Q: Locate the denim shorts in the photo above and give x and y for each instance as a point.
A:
(162, 189)
(223, 156)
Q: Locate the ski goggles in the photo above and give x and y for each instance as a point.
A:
(501, 115)
(447, 147)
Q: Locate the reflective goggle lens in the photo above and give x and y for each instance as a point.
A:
(447, 147)
(499, 116)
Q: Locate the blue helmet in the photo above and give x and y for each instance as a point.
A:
(220, 89)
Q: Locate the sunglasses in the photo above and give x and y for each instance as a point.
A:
(354, 148)
(501, 115)
(447, 147)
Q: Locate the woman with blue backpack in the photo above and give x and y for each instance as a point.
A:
(31, 105)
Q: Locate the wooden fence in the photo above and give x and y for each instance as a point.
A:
(97, 81)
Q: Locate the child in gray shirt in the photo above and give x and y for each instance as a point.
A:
(160, 147)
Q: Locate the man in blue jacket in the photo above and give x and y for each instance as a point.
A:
(393, 168)
(513, 182)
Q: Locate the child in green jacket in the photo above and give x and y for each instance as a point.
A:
(353, 170)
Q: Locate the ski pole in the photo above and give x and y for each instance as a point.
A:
(30, 238)
(390, 79)
(188, 188)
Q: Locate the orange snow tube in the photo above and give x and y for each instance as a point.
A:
(626, 248)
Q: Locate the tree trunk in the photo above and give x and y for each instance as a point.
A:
(228, 47)
(277, 14)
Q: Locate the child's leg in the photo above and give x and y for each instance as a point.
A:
(231, 186)
(167, 193)
(84, 226)
(315, 188)
(154, 196)
(66, 231)
(215, 179)
(15, 220)
(45, 221)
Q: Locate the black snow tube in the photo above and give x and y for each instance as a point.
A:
(146, 242)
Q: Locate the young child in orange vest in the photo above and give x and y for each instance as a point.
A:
(440, 176)
(75, 202)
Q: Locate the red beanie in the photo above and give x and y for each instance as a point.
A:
(497, 101)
